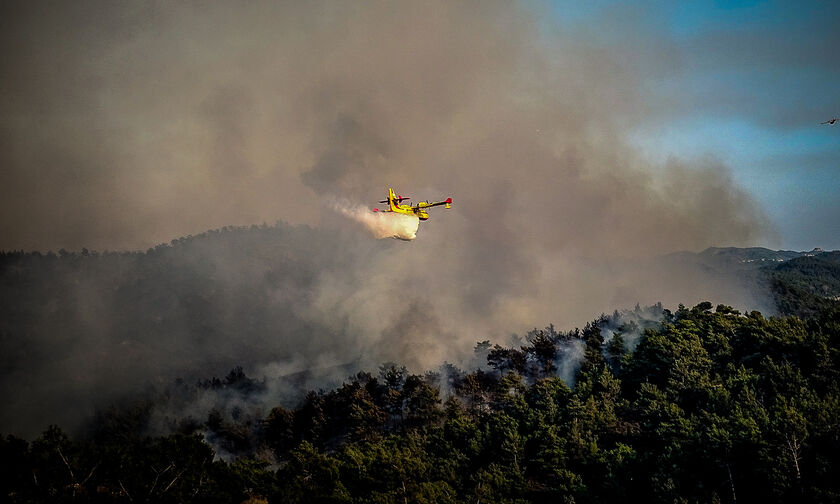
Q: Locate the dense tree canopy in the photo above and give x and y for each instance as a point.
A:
(704, 405)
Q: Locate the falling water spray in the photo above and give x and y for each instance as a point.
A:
(381, 224)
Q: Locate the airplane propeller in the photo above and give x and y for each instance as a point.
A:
(398, 199)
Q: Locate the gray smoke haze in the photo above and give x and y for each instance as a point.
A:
(126, 125)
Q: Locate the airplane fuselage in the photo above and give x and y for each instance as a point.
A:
(408, 210)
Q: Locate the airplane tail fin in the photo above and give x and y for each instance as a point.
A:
(392, 199)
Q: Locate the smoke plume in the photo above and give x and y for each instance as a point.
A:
(382, 224)
(126, 125)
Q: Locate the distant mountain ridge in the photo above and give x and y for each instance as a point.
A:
(742, 257)
(800, 283)
(806, 285)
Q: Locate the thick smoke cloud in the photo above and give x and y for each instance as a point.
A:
(122, 126)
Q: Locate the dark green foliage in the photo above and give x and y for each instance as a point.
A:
(806, 285)
(709, 406)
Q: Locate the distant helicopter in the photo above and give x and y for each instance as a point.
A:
(395, 205)
(830, 121)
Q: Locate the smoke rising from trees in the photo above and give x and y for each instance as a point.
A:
(124, 126)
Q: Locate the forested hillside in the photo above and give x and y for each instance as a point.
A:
(704, 406)
(798, 283)
(103, 324)
(806, 285)
(694, 405)
(304, 306)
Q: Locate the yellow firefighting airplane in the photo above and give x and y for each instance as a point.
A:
(395, 205)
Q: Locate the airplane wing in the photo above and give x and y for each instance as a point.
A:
(398, 199)
(426, 204)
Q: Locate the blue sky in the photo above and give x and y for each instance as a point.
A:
(746, 82)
